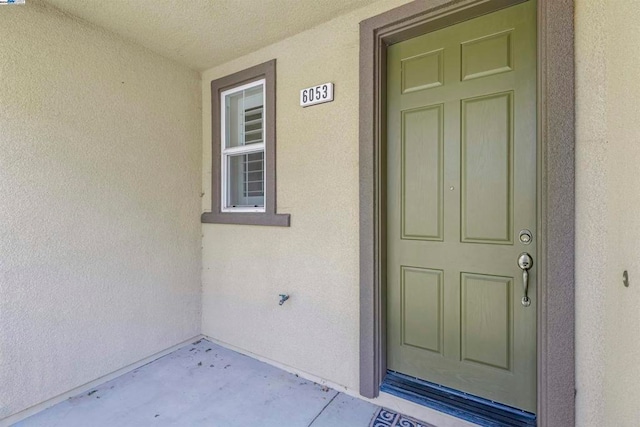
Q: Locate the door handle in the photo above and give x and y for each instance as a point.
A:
(525, 262)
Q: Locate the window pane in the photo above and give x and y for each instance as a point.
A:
(245, 180)
(244, 117)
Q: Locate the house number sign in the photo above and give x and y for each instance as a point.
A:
(316, 94)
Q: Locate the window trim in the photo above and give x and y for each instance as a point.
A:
(266, 71)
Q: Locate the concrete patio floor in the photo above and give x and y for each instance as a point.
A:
(204, 384)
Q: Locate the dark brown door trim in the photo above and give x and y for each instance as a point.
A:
(556, 142)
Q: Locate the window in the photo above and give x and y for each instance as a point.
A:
(243, 148)
(243, 165)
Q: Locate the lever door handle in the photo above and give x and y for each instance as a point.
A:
(525, 262)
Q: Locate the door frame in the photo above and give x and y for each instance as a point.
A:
(555, 189)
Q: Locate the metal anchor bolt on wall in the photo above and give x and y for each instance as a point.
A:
(283, 298)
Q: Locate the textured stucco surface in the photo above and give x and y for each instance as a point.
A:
(316, 259)
(608, 225)
(207, 33)
(592, 212)
(622, 343)
(100, 172)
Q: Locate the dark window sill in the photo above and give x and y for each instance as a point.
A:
(247, 218)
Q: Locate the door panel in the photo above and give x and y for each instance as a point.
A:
(422, 170)
(487, 55)
(422, 71)
(486, 320)
(486, 166)
(461, 184)
(422, 301)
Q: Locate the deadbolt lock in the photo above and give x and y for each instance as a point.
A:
(525, 237)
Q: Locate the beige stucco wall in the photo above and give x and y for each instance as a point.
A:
(316, 259)
(592, 212)
(607, 220)
(623, 313)
(622, 373)
(100, 171)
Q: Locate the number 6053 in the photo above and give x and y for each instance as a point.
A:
(316, 94)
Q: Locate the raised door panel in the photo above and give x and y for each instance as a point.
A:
(422, 71)
(422, 157)
(486, 56)
(486, 169)
(422, 300)
(486, 320)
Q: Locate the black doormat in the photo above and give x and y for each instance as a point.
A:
(453, 402)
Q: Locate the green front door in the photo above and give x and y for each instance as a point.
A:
(461, 187)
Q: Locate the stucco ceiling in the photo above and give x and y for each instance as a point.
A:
(205, 33)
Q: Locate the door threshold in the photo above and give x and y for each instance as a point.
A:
(453, 402)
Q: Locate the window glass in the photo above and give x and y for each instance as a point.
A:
(244, 117)
(245, 178)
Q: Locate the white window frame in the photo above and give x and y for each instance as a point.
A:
(225, 153)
